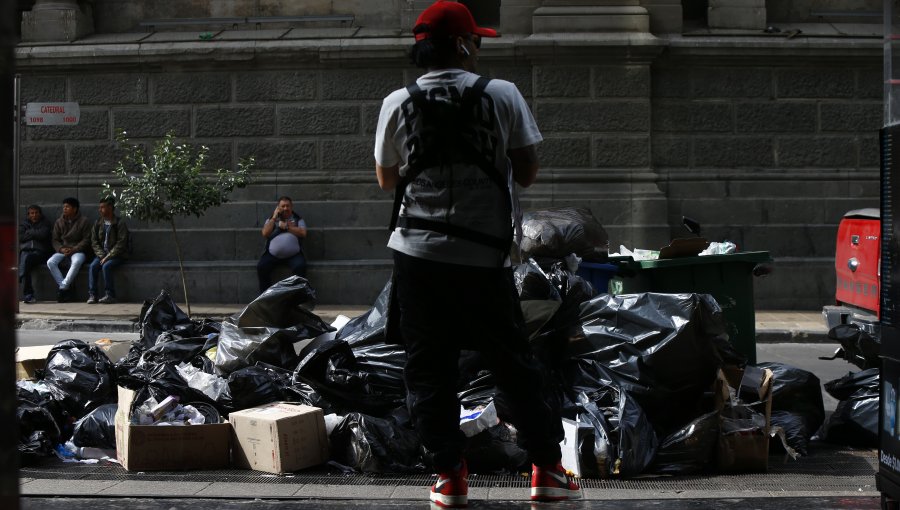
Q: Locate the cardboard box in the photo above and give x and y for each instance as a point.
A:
(115, 350)
(31, 359)
(176, 448)
(279, 437)
(745, 420)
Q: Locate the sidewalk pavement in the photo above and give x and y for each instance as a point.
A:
(772, 326)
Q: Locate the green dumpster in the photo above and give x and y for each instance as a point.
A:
(729, 278)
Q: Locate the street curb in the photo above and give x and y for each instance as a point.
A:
(783, 336)
(104, 326)
(101, 326)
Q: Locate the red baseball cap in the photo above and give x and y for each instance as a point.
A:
(445, 18)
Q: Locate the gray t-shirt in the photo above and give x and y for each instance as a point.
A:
(481, 205)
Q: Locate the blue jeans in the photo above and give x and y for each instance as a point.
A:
(76, 259)
(108, 268)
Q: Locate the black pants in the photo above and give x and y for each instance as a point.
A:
(28, 260)
(268, 262)
(446, 308)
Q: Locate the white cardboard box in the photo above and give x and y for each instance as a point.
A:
(279, 438)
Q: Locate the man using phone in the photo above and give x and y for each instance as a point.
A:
(284, 231)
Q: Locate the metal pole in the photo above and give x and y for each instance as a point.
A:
(17, 149)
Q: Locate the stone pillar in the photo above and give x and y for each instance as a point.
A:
(57, 20)
(741, 14)
(568, 16)
(666, 16)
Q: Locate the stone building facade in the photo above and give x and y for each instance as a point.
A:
(651, 110)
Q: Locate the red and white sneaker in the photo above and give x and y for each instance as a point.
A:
(553, 483)
(452, 488)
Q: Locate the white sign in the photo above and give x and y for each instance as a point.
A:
(52, 114)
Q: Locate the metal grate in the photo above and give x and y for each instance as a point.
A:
(828, 468)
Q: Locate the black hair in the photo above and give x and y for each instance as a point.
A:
(73, 202)
(285, 197)
(36, 208)
(109, 200)
(434, 52)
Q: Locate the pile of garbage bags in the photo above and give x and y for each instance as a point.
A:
(637, 371)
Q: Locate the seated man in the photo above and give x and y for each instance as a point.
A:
(71, 239)
(284, 232)
(34, 248)
(109, 239)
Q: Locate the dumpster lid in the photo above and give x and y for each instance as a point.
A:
(753, 257)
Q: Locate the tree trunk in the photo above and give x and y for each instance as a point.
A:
(187, 302)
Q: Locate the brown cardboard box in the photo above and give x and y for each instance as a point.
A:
(30, 359)
(279, 437)
(155, 448)
(115, 350)
(744, 422)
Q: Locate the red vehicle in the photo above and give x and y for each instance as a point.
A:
(857, 265)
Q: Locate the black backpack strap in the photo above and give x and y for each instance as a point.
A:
(455, 231)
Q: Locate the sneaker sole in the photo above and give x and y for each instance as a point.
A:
(445, 501)
(553, 494)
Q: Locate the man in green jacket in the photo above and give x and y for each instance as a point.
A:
(109, 239)
(71, 240)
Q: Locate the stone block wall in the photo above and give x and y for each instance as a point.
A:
(770, 155)
(765, 145)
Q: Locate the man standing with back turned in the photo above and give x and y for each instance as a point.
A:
(452, 145)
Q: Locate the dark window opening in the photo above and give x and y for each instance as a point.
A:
(485, 12)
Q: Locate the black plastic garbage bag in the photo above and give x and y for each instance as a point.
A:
(297, 392)
(251, 387)
(555, 233)
(368, 328)
(38, 432)
(625, 442)
(495, 450)
(80, 377)
(854, 421)
(797, 404)
(796, 434)
(857, 346)
(284, 304)
(538, 298)
(242, 347)
(375, 445)
(574, 291)
(661, 349)
(160, 315)
(41, 420)
(97, 428)
(866, 381)
(160, 381)
(365, 377)
(690, 449)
